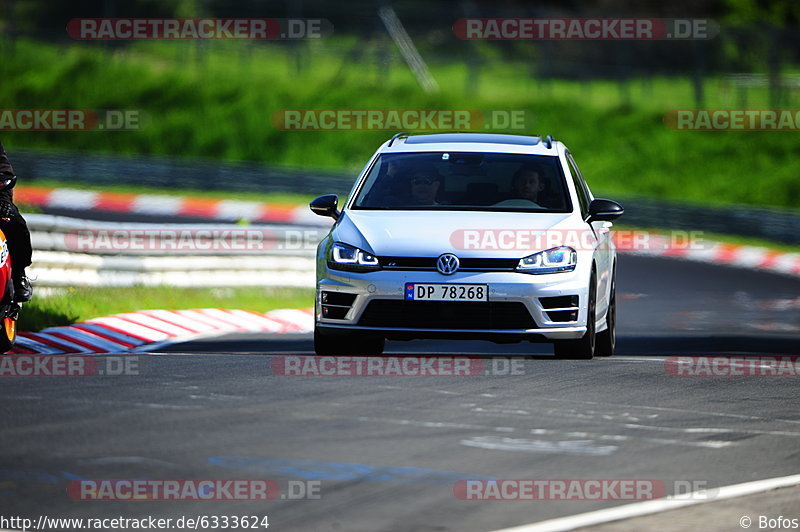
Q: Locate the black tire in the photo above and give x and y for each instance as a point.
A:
(330, 345)
(8, 334)
(607, 340)
(584, 347)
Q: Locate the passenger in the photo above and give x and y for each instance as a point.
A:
(527, 183)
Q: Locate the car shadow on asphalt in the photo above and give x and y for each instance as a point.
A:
(660, 346)
(708, 345)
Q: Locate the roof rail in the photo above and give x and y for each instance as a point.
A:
(548, 141)
(397, 136)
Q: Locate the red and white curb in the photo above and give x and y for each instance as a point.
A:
(750, 257)
(163, 205)
(150, 329)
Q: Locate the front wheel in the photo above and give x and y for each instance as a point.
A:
(607, 340)
(584, 347)
(9, 335)
(354, 344)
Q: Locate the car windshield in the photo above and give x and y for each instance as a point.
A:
(465, 181)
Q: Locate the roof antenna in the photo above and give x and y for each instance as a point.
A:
(548, 141)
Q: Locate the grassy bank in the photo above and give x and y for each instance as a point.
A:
(218, 100)
(55, 307)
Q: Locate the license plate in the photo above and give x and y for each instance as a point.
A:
(446, 292)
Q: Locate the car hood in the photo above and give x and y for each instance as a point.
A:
(429, 234)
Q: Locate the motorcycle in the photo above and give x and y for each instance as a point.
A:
(9, 308)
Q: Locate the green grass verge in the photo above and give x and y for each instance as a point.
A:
(70, 305)
(218, 99)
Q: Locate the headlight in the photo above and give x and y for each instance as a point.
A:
(344, 257)
(561, 259)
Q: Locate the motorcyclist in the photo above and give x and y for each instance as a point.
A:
(16, 230)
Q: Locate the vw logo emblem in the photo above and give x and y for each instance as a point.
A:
(447, 264)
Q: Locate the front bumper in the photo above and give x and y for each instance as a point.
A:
(504, 287)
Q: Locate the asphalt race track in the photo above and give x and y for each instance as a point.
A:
(386, 452)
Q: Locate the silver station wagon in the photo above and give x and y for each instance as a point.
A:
(467, 236)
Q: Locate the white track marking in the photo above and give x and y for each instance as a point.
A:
(654, 359)
(617, 405)
(660, 505)
(712, 430)
(574, 447)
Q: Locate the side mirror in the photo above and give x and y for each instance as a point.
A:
(603, 210)
(326, 206)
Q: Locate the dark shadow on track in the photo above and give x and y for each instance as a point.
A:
(684, 345)
(708, 345)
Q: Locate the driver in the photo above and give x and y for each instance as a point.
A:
(424, 187)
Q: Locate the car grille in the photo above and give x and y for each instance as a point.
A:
(429, 263)
(446, 315)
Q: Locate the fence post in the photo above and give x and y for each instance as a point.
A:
(699, 72)
(774, 66)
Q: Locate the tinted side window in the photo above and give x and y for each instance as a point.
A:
(580, 186)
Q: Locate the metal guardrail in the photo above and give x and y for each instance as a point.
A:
(171, 172)
(776, 224)
(95, 237)
(70, 252)
(54, 269)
